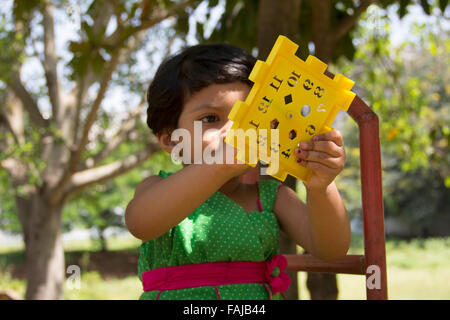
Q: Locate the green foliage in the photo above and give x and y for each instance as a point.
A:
(238, 24)
(349, 181)
(23, 10)
(443, 5)
(12, 43)
(30, 151)
(8, 212)
(89, 51)
(419, 253)
(417, 269)
(103, 205)
(407, 86)
(427, 5)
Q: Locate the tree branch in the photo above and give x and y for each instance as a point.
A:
(348, 22)
(82, 179)
(51, 59)
(16, 169)
(90, 119)
(154, 17)
(157, 16)
(92, 115)
(27, 100)
(124, 48)
(101, 19)
(12, 116)
(116, 58)
(125, 129)
(321, 33)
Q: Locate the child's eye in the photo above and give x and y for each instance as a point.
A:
(210, 118)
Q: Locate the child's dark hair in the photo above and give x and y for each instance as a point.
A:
(188, 72)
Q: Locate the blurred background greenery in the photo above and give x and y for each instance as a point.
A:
(416, 269)
(74, 143)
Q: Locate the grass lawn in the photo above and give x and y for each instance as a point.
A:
(417, 269)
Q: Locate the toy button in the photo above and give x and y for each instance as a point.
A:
(306, 109)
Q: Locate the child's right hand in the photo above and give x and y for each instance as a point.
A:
(238, 169)
(231, 166)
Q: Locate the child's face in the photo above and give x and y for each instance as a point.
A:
(211, 106)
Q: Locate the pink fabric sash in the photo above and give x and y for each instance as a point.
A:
(218, 273)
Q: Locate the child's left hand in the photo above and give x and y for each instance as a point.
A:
(325, 156)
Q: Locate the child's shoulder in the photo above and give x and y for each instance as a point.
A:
(144, 184)
(147, 182)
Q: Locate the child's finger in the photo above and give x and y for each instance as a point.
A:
(333, 135)
(321, 157)
(323, 146)
(318, 167)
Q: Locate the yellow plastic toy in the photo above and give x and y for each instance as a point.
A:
(292, 96)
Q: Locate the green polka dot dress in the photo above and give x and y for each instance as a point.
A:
(219, 230)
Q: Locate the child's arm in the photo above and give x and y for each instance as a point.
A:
(321, 226)
(160, 204)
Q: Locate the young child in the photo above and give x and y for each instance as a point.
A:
(205, 234)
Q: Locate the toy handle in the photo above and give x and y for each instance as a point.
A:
(325, 129)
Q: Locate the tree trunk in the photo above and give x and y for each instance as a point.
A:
(44, 254)
(322, 33)
(102, 239)
(282, 17)
(279, 18)
(287, 246)
(322, 286)
(276, 18)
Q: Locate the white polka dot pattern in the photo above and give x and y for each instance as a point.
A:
(219, 230)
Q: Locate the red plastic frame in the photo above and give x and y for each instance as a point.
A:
(372, 206)
(373, 216)
(372, 193)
